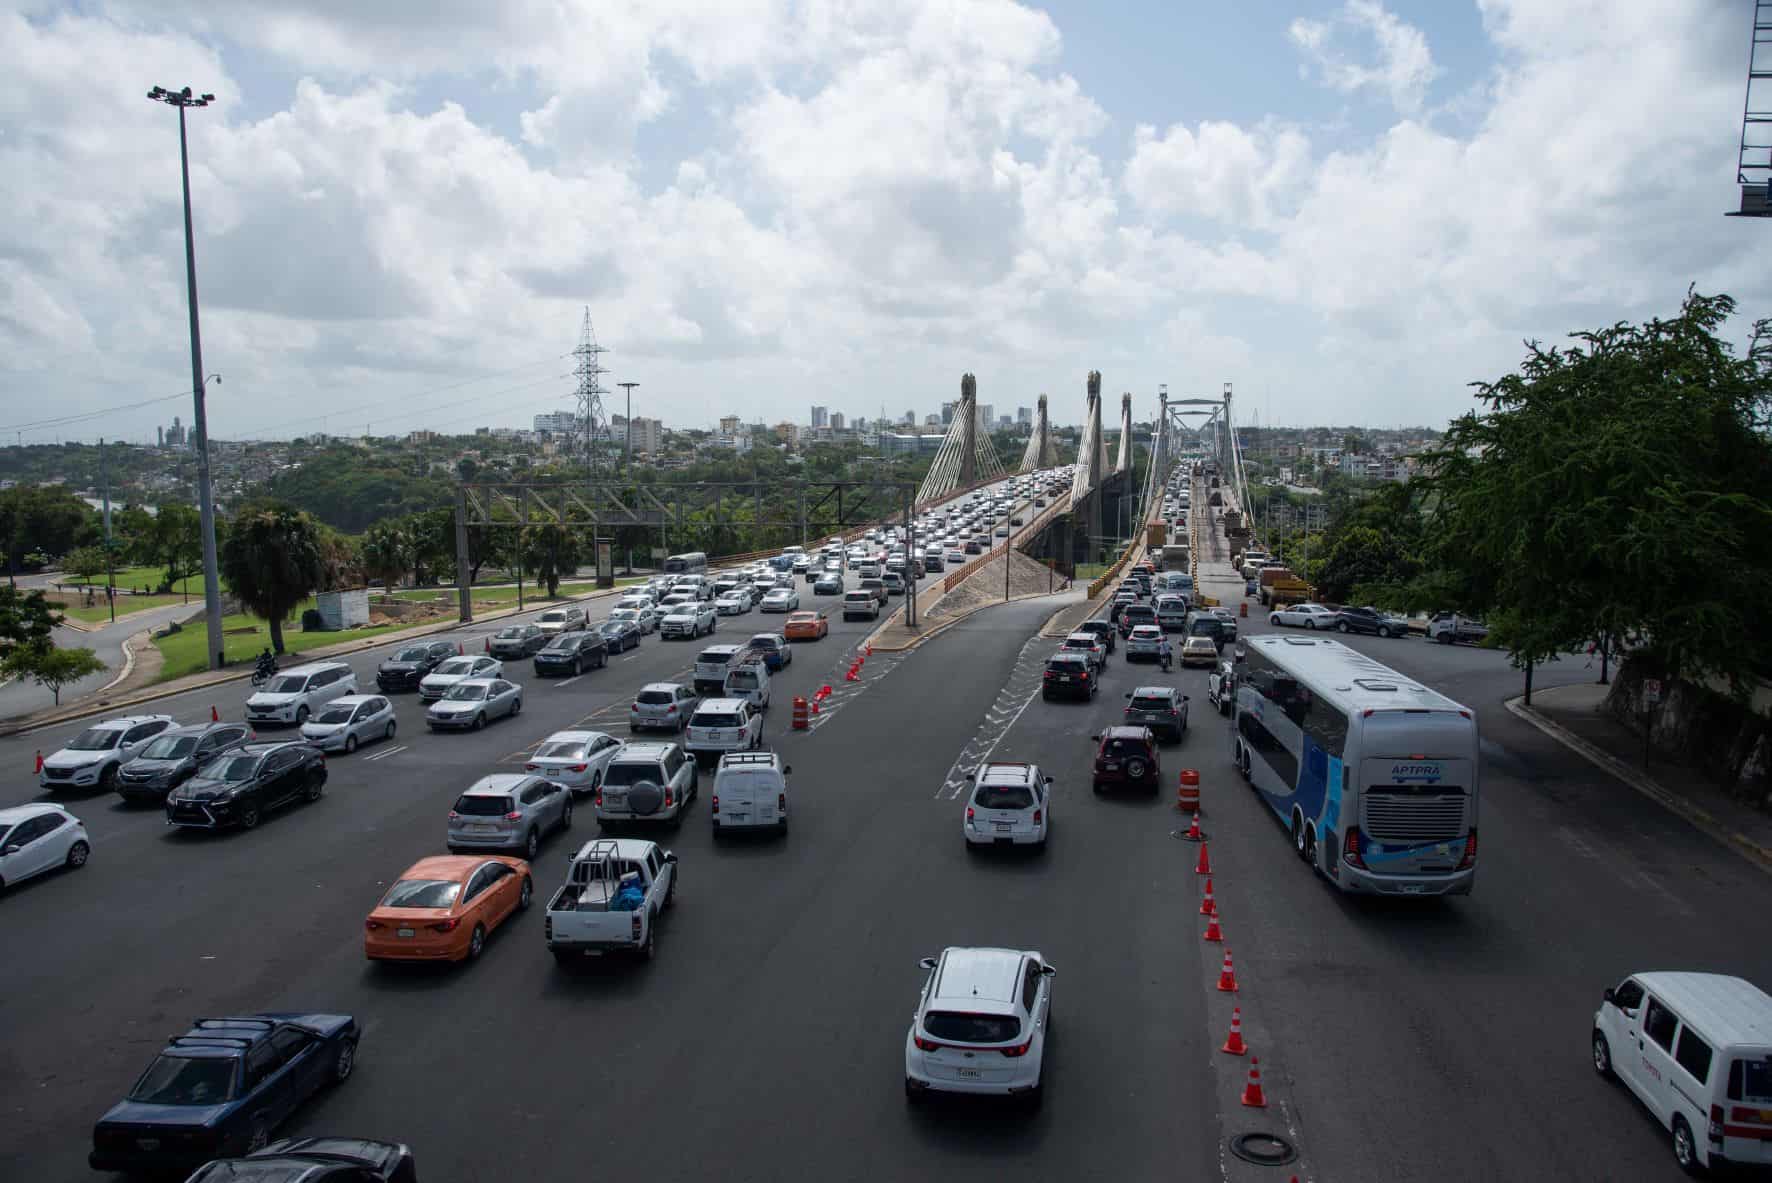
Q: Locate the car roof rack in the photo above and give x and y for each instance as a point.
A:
(748, 758)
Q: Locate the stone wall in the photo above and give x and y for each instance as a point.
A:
(1730, 741)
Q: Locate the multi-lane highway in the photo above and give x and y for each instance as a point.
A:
(1422, 1040)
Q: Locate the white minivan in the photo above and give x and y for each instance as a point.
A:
(750, 793)
(1696, 1049)
(748, 680)
(296, 693)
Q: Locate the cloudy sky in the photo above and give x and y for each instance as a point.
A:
(1347, 208)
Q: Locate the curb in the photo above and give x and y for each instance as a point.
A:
(937, 629)
(27, 724)
(1700, 817)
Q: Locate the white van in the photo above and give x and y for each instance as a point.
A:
(294, 694)
(1696, 1049)
(748, 679)
(750, 792)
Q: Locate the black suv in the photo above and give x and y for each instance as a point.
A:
(1369, 620)
(572, 653)
(237, 787)
(1127, 756)
(1069, 675)
(173, 756)
(407, 668)
(1161, 708)
(1134, 615)
(1104, 632)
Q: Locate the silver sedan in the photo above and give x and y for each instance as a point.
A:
(471, 704)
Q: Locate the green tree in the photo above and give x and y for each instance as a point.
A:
(27, 621)
(132, 533)
(85, 561)
(1617, 486)
(176, 541)
(551, 553)
(387, 552)
(47, 518)
(274, 558)
(54, 667)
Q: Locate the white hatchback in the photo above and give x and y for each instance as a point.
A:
(1010, 806)
(980, 1025)
(35, 839)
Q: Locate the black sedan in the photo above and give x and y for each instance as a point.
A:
(407, 668)
(237, 788)
(316, 1160)
(572, 653)
(1371, 620)
(621, 635)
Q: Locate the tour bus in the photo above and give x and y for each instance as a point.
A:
(1374, 775)
(686, 564)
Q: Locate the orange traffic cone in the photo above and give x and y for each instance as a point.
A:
(815, 701)
(35, 771)
(458, 649)
(1252, 1094)
(1208, 905)
(214, 716)
(1193, 831)
(1234, 1046)
(1204, 866)
(1227, 976)
(489, 643)
(1213, 932)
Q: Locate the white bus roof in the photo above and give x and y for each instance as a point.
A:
(1348, 678)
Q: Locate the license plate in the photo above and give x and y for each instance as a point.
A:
(1413, 888)
(1111, 765)
(966, 1073)
(739, 817)
(1003, 825)
(1064, 677)
(481, 829)
(404, 932)
(148, 1143)
(552, 771)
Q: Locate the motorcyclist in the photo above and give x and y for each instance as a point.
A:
(1164, 654)
(267, 665)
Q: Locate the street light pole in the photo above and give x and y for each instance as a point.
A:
(200, 420)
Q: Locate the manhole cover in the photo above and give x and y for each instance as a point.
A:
(1267, 1150)
(1184, 836)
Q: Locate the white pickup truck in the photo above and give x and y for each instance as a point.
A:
(611, 900)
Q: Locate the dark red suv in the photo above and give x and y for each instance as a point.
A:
(1127, 756)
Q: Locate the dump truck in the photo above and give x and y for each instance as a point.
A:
(1280, 586)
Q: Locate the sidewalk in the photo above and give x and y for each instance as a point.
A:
(1572, 716)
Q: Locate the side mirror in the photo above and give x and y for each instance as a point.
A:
(927, 963)
(1185, 698)
(1048, 780)
(14, 848)
(1047, 971)
(670, 857)
(1128, 694)
(1605, 995)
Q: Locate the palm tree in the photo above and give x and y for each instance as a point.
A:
(273, 559)
(387, 553)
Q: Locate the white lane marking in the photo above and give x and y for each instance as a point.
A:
(386, 752)
(569, 681)
(630, 657)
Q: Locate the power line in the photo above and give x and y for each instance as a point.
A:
(407, 398)
(64, 419)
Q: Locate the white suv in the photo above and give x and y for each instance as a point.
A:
(723, 725)
(1010, 805)
(296, 693)
(94, 756)
(647, 782)
(980, 1025)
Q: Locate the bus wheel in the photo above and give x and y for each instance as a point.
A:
(1298, 832)
(1310, 847)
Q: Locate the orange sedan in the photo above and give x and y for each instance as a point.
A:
(806, 626)
(443, 908)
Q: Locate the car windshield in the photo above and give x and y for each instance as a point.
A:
(421, 893)
(185, 1080)
(564, 643)
(95, 739)
(1003, 797)
(561, 749)
(474, 805)
(460, 665)
(415, 653)
(230, 768)
(712, 657)
(170, 747)
(966, 1028)
(1146, 702)
(466, 692)
(624, 614)
(619, 775)
(510, 634)
(287, 686)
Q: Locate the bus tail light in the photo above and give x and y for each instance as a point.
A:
(1716, 1123)
(1350, 848)
(1470, 851)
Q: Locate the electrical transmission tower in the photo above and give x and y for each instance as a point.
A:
(589, 371)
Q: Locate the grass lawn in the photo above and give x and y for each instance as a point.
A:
(100, 613)
(144, 577)
(244, 638)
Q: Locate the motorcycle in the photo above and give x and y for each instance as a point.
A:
(265, 671)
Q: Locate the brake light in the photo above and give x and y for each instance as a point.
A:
(372, 925)
(969, 815)
(449, 925)
(532, 768)
(454, 816)
(927, 1045)
(598, 799)
(636, 926)
(513, 816)
(1716, 1123)
(1048, 675)
(672, 709)
(1038, 814)
(668, 798)
(1350, 848)
(1470, 851)
(1083, 677)
(580, 767)
(781, 802)
(716, 804)
(1020, 1049)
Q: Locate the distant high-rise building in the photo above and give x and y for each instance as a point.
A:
(729, 425)
(557, 423)
(910, 419)
(1004, 423)
(821, 416)
(861, 423)
(648, 435)
(947, 413)
(836, 421)
(932, 420)
(986, 420)
(160, 436)
(1024, 415)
